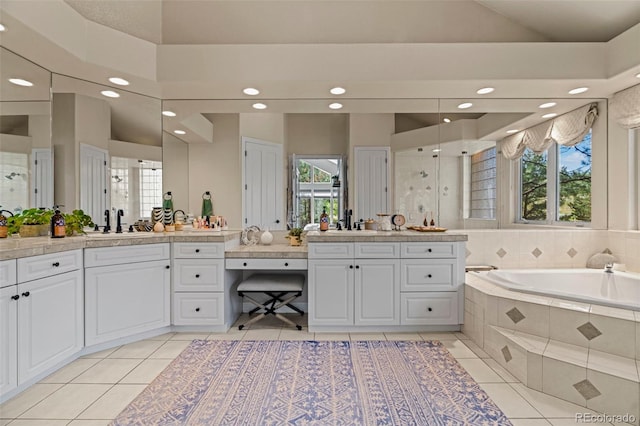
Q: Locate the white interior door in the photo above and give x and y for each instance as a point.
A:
(263, 184)
(372, 181)
(42, 178)
(93, 182)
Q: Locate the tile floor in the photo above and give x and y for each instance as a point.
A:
(92, 390)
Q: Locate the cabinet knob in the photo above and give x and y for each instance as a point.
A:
(350, 266)
(197, 275)
(25, 294)
(357, 266)
(428, 275)
(429, 309)
(55, 264)
(286, 263)
(197, 309)
(15, 297)
(167, 267)
(429, 250)
(197, 250)
(277, 220)
(244, 264)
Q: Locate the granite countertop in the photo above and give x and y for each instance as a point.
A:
(17, 247)
(383, 236)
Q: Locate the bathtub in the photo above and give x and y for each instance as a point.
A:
(593, 286)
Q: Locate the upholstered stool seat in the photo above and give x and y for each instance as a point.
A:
(282, 289)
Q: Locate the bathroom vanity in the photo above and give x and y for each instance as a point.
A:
(63, 298)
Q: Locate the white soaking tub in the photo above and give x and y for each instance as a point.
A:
(616, 289)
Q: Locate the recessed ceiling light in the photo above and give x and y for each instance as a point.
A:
(119, 81)
(168, 113)
(436, 150)
(465, 105)
(550, 115)
(638, 75)
(338, 91)
(547, 105)
(251, 91)
(512, 131)
(179, 132)
(485, 90)
(110, 94)
(259, 106)
(578, 90)
(335, 105)
(2, 28)
(446, 120)
(21, 82)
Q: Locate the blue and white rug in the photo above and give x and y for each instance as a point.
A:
(217, 382)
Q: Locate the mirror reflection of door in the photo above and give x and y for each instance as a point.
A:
(262, 182)
(93, 178)
(318, 185)
(372, 182)
(42, 184)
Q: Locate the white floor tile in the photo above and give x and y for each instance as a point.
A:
(89, 423)
(403, 336)
(502, 372)
(108, 371)
(286, 334)
(190, 336)
(367, 336)
(141, 349)
(438, 336)
(102, 354)
(34, 422)
(510, 402)
(69, 372)
(27, 399)
(112, 403)
(163, 337)
(67, 402)
(530, 422)
(550, 406)
(458, 349)
(226, 336)
(476, 349)
(170, 349)
(4, 422)
(270, 334)
(146, 371)
(480, 371)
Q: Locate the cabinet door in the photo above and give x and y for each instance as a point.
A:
(377, 292)
(331, 292)
(122, 300)
(50, 322)
(8, 339)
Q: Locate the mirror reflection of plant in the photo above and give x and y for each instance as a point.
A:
(35, 216)
(76, 221)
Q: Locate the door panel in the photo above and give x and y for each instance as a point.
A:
(372, 176)
(263, 184)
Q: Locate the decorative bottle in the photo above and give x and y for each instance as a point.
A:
(324, 220)
(266, 238)
(58, 228)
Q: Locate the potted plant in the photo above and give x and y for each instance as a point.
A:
(31, 222)
(76, 221)
(295, 236)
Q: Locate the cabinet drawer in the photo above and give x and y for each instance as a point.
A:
(198, 308)
(198, 250)
(429, 308)
(31, 268)
(198, 275)
(105, 256)
(427, 250)
(8, 274)
(276, 264)
(330, 250)
(377, 250)
(427, 275)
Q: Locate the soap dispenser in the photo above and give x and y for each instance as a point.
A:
(324, 220)
(58, 228)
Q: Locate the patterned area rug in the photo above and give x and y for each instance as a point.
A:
(313, 383)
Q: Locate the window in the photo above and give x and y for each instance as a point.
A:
(555, 186)
(150, 190)
(483, 185)
(14, 181)
(318, 186)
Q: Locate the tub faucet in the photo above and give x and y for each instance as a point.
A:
(608, 268)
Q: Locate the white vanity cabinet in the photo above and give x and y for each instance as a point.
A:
(127, 291)
(431, 283)
(41, 316)
(357, 289)
(202, 293)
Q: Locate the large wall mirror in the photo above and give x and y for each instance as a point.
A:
(26, 173)
(108, 149)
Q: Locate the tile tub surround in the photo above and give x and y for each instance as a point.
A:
(586, 354)
(549, 248)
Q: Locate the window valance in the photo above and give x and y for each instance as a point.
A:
(625, 107)
(567, 129)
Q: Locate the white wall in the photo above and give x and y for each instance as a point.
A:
(175, 171)
(317, 134)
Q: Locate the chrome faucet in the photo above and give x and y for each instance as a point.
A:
(608, 268)
(119, 214)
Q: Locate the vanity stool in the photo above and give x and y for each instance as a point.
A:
(282, 290)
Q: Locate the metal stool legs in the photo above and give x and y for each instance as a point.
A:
(270, 307)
